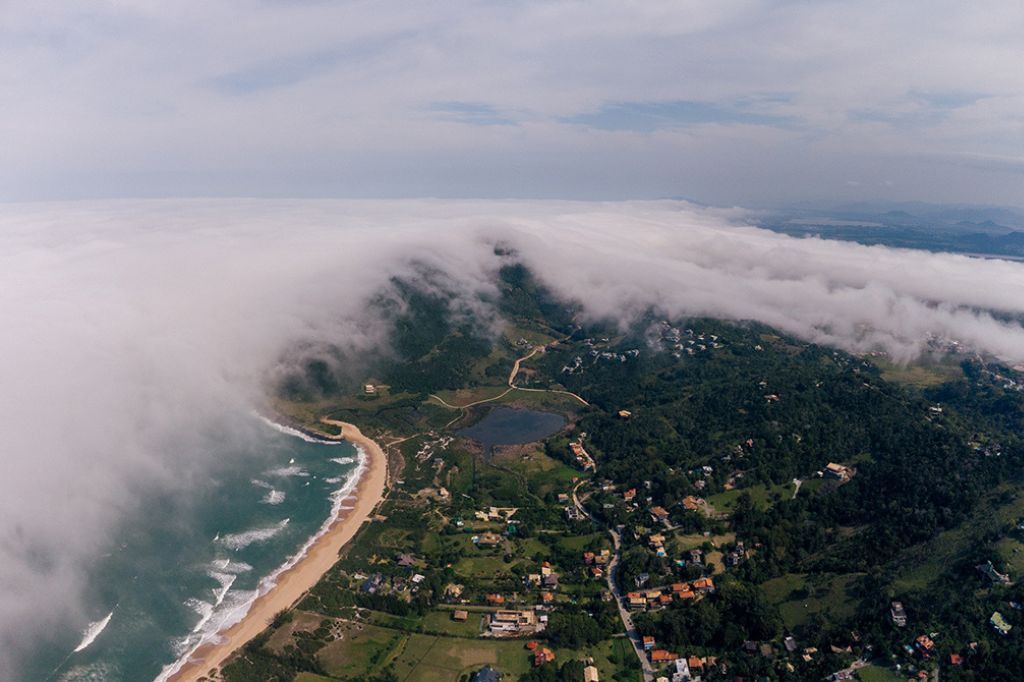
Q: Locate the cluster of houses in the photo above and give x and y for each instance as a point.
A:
(596, 356)
(596, 562)
(672, 340)
(546, 581)
(659, 597)
(581, 455)
(682, 668)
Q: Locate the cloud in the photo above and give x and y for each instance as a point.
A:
(651, 116)
(341, 99)
(135, 329)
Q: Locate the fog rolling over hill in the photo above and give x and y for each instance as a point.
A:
(137, 330)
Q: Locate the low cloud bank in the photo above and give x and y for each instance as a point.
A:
(132, 329)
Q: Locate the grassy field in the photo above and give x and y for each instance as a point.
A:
(921, 374)
(799, 599)
(441, 621)
(931, 559)
(873, 673)
(542, 473)
(364, 649)
(762, 496)
(685, 542)
(1012, 551)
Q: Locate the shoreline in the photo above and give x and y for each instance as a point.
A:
(293, 583)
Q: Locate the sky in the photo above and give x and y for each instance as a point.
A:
(140, 330)
(731, 102)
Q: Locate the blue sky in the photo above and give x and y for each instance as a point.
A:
(731, 102)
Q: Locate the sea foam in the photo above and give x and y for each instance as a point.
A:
(273, 497)
(237, 541)
(93, 631)
(295, 432)
(237, 604)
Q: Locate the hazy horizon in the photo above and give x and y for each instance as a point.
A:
(744, 102)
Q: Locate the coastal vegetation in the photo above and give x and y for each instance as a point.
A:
(776, 497)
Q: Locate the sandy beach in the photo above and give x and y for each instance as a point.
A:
(296, 581)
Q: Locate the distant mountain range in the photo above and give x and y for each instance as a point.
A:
(978, 230)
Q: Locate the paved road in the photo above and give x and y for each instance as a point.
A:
(613, 587)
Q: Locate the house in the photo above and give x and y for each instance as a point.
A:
(1000, 624)
(590, 674)
(648, 643)
(789, 643)
(542, 656)
(704, 585)
(691, 503)
(460, 616)
(664, 599)
(662, 656)
(659, 514)
(406, 560)
(629, 495)
(641, 579)
(550, 581)
(838, 472)
(625, 414)
(547, 597)
(682, 673)
(596, 571)
(603, 557)
(574, 514)
(990, 572)
(583, 457)
(695, 663)
(369, 389)
(924, 646)
(589, 558)
(495, 599)
(956, 659)
(636, 600)
(512, 622)
(486, 674)
(899, 615)
(488, 539)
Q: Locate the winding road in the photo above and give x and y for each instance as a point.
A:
(613, 587)
(511, 384)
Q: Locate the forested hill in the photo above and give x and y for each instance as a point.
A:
(817, 487)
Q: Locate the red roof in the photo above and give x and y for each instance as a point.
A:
(660, 655)
(956, 659)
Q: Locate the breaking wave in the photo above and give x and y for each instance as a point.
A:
(237, 541)
(93, 631)
(235, 606)
(273, 497)
(287, 430)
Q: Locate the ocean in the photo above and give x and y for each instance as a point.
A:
(186, 566)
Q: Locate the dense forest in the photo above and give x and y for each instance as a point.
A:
(744, 420)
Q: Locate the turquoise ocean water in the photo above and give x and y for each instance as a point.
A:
(188, 564)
